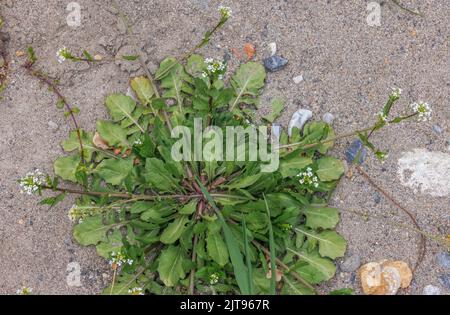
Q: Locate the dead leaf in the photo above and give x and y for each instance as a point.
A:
(98, 57)
(99, 142)
(249, 50)
(278, 276)
(20, 53)
(117, 151)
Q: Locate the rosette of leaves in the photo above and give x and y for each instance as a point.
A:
(202, 227)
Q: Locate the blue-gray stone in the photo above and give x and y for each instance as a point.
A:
(445, 280)
(350, 264)
(275, 63)
(353, 150)
(443, 259)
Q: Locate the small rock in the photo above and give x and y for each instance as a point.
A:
(53, 126)
(351, 263)
(298, 79)
(328, 118)
(431, 290)
(445, 280)
(377, 198)
(353, 150)
(275, 63)
(438, 129)
(299, 119)
(273, 48)
(443, 259)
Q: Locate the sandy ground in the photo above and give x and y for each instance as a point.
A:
(348, 67)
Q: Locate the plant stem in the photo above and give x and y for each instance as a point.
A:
(423, 241)
(127, 24)
(194, 258)
(113, 281)
(415, 12)
(52, 86)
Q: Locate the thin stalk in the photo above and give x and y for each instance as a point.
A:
(415, 12)
(52, 86)
(194, 259)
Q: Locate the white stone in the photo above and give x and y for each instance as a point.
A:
(273, 48)
(425, 172)
(431, 290)
(298, 79)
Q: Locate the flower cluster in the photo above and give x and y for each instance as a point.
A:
(382, 117)
(136, 291)
(214, 67)
(308, 179)
(63, 54)
(213, 278)
(422, 110)
(76, 214)
(286, 227)
(118, 259)
(24, 291)
(31, 183)
(396, 93)
(138, 142)
(225, 12)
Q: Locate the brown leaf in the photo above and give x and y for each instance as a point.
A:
(99, 142)
(249, 50)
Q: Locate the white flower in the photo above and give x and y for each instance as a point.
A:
(32, 181)
(24, 291)
(138, 142)
(423, 111)
(213, 278)
(136, 291)
(225, 11)
(62, 54)
(382, 116)
(396, 92)
(118, 259)
(308, 178)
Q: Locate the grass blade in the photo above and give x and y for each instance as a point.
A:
(273, 254)
(247, 256)
(240, 270)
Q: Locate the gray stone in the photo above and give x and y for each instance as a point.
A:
(53, 126)
(353, 150)
(328, 118)
(431, 290)
(275, 63)
(438, 129)
(443, 259)
(350, 264)
(445, 280)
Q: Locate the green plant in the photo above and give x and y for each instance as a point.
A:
(169, 226)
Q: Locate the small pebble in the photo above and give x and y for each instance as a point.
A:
(443, 259)
(445, 280)
(298, 79)
(431, 290)
(438, 129)
(377, 198)
(328, 118)
(353, 150)
(351, 263)
(273, 48)
(275, 63)
(53, 126)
